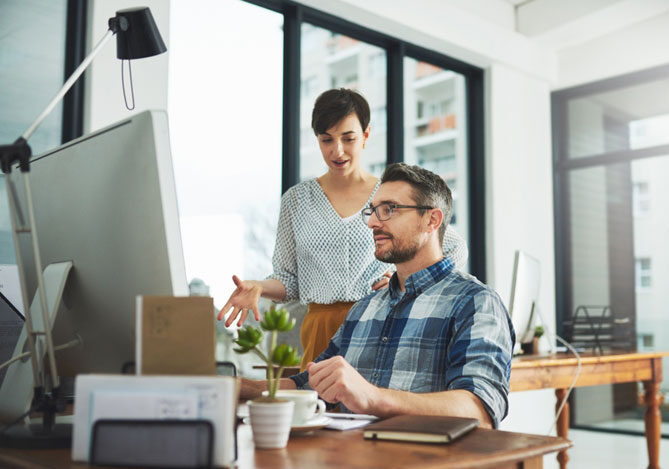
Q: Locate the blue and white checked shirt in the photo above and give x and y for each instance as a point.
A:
(446, 331)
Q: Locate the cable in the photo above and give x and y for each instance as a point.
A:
(578, 369)
(132, 89)
(72, 343)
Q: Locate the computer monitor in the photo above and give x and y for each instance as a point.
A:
(524, 296)
(107, 202)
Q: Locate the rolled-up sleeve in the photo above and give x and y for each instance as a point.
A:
(284, 260)
(302, 379)
(480, 352)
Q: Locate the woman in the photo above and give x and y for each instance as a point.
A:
(324, 254)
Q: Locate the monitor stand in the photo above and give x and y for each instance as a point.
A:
(17, 392)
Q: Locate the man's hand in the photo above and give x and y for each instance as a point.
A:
(243, 300)
(336, 381)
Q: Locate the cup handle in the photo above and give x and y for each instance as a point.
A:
(320, 409)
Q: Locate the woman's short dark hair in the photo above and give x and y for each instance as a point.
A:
(428, 189)
(333, 105)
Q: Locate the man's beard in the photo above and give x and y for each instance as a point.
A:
(397, 255)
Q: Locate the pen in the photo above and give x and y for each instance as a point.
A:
(339, 415)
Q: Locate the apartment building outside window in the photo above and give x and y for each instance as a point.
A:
(643, 274)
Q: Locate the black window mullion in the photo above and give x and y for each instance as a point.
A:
(75, 53)
(292, 23)
(476, 174)
(561, 216)
(395, 103)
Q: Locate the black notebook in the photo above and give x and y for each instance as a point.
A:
(420, 428)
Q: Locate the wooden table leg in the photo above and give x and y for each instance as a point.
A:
(653, 419)
(562, 424)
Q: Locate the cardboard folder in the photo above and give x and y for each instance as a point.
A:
(175, 336)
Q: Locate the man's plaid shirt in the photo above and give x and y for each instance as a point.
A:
(445, 331)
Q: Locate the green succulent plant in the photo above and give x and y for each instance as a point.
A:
(282, 355)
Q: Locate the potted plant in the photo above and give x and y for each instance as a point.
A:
(270, 417)
(532, 348)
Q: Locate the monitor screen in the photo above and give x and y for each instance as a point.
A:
(11, 323)
(107, 202)
(524, 295)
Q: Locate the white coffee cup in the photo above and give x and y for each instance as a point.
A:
(307, 404)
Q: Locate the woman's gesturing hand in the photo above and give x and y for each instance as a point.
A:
(244, 299)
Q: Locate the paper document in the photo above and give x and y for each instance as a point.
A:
(343, 421)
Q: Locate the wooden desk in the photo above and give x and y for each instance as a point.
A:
(333, 449)
(558, 370)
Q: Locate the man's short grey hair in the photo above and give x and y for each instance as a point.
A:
(428, 189)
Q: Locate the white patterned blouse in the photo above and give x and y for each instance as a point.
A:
(321, 257)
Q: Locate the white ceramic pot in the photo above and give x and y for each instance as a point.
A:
(270, 422)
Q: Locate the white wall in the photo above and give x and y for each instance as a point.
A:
(104, 94)
(642, 45)
(519, 204)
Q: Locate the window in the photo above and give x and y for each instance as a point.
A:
(435, 103)
(610, 166)
(642, 270)
(403, 84)
(38, 46)
(225, 128)
(640, 198)
(309, 88)
(32, 66)
(339, 61)
(377, 65)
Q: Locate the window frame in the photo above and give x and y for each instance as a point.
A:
(562, 166)
(396, 49)
(75, 53)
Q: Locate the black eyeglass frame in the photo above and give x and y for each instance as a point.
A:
(366, 212)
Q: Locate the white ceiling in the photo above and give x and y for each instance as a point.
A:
(558, 24)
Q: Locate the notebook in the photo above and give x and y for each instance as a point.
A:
(420, 428)
(175, 336)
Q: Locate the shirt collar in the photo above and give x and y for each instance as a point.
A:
(418, 282)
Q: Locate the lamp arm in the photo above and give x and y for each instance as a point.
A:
(68, 84)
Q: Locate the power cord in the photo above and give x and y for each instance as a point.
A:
(72, 343)
(578, 367)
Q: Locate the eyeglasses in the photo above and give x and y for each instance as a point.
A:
(385, 210)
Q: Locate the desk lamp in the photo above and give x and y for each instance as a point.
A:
(136, 37)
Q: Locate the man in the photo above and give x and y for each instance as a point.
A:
(436, 341)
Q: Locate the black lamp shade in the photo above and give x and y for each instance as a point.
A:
(137, 35)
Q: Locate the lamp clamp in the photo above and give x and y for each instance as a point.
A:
(18, 151)
(118, 23)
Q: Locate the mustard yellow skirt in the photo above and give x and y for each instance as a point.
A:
(319, 325)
